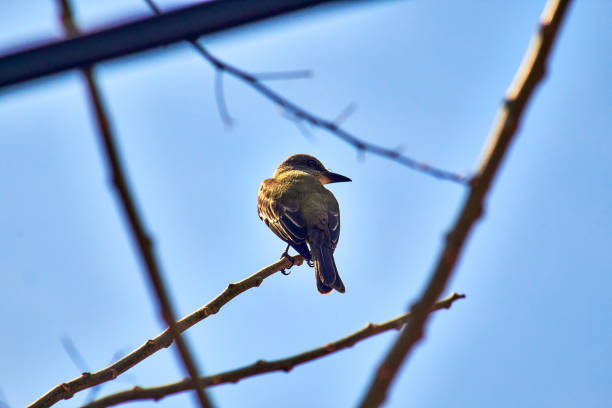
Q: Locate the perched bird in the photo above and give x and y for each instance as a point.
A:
(296, 207)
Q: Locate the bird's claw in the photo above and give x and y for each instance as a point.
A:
(310, 263)
(290, 259)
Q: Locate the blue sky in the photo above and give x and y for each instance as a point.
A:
(535, 329)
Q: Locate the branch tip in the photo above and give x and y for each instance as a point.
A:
(282, 75)
(346, 113)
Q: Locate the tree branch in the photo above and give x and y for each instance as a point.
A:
(162, 340)
(261, 366)
(143, 34)
(529, 75)
(333, 127)
(130, 212)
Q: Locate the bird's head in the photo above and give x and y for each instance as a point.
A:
(309, 164)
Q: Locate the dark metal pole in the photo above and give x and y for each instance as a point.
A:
(124, 39)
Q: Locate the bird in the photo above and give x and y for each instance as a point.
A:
(297, 207)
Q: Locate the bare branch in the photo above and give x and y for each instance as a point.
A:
(143, 241)
(162, 340)
(333, 127)
(261, 366)
(346, 112)
(79, 362)
(220, 95)
(74, 354)
(283, 75)
(529, 75)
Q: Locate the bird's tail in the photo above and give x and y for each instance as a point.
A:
(326, 272)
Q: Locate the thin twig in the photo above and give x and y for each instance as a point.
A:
(283, 75)
(299, 124)
(143, 241)
(299, 113)
(128, 378)
(79, 362)
(162, 340)
(346, 112)
(530, 73)
(74, 354)
(220, 95)
(261, 366)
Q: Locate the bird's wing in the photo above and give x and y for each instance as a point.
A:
(284, 219)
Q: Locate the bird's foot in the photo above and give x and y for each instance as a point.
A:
(310, 263)
(289, 258)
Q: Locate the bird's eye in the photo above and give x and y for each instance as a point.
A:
(312, 163)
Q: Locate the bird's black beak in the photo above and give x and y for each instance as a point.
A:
(329, 177)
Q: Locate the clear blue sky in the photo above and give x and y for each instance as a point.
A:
(536, 327)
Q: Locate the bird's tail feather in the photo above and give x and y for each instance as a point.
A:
(325, 270)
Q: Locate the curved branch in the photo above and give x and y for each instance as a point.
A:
(528, 77)
(301, 114)
(164, 339)
(220, 95)
(143, 241)
(261, 366)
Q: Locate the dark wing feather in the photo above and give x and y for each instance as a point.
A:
(284, 219)
(333, 223)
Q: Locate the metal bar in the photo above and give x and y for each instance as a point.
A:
(182, 24)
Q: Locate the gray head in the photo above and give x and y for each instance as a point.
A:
(309, 164)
